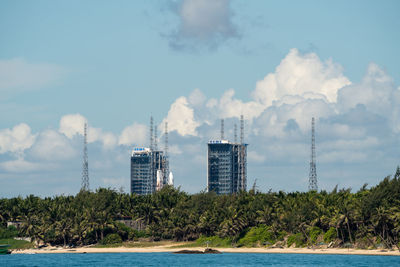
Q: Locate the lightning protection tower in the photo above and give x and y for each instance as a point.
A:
(85, 166)
(151, 133)
(312, 186)
(222, 129)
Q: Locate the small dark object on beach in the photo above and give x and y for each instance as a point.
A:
(206, 251)
(212, 251)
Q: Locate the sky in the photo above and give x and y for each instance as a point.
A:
(113, 64)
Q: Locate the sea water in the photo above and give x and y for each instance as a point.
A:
(169, 259)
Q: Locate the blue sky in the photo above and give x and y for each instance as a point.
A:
(192, 63)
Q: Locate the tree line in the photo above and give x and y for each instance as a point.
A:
(366, 218)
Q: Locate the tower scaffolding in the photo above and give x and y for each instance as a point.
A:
(85, 166)
(313, 186)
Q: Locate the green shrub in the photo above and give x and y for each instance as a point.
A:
(112, 239)
(297, 239)
(281, 235)
(315, 231)
(214, 241)
(261, 235)
(135, 234)
(330, 235)
(123, 231)
(9, 232)
(17, 244)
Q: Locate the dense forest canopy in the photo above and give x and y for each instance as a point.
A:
(366, 218)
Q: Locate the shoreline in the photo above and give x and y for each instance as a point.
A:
(327, 251)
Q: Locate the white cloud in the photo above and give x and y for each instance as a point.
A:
(51, 145)
(196, 98)
(277, 128)
(203, 23)
(109, 140)
(19, 166)
(181, 118)
(300, 74)
(230, 107)
(135, 134)
(376, 91)
(72, 124)
(341, 130)
(18, 75)
(17, 139)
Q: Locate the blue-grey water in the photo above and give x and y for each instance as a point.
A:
(168, 259)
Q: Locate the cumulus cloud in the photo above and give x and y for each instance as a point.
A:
(301, 74)
(301, 87)
(19, 165)
(376, 92)
(353, 120)
(356, 122)
(135, 134)
(108, 139)
(17, 139)
(181, 118)
(197, 98)
(230, 107)
(202, 23)
(73, 124)
(51, 145)
(18, 75)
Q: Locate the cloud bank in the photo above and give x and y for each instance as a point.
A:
(357, 133)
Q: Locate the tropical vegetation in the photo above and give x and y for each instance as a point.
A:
(368, 218)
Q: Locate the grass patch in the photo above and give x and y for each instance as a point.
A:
(214, 241)
(147, 244)
(116, 245)
(189, 244)
(16, 244)
(140, 244)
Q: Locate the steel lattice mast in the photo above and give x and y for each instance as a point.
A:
(85, 167)
(241, 129)
(166, 148)
(235, 133)
(155, 138)
(313, 186)
(222, 129)
(151, 133)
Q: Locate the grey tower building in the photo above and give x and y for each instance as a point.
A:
(149, 170)
(226, 167)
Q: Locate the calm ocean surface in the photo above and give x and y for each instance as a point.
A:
(168, 259)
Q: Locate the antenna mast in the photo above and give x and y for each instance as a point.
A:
(222, 129)
(235, 133)
(155, 138)
(241, 129)
(151, 133)
(85, 167)
(166, 146)
(312, 186)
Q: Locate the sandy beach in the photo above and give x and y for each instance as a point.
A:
(344, 251)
